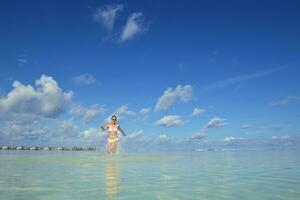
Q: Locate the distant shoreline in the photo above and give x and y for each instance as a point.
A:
(34, 148)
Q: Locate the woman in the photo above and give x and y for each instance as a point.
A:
(113, 139)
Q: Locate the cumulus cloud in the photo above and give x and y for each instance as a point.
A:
(92, 134)
(215, 122)
(162, 138)
(134, 26)
(66, 129)
(134, 135)
(23, 126)
(229, 139)
(198, 111)
(170, 120)
(138, 138)
(284, 101)
(30, 113)
(47, 99)
(84, 79)
(106, 16)
(39, 129)
(122, 112)
(197, 136)
(86, 114)
(170, 96)
(143, 114)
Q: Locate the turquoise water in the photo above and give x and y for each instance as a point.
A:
(258, 174)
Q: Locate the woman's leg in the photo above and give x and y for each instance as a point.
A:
(114, 146)
(110, 147)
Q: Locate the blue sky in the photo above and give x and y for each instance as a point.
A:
(190, 73)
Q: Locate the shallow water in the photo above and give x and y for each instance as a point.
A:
(43, 175)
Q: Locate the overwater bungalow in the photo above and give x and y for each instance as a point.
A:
(77, 149)
(20, 148)
(34, 148)
(48, 148)
(91, 149)
(6, 148)
(61, 148)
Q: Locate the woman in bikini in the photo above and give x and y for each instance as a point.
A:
(113, 139)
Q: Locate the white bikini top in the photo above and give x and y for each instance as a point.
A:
(110, 129)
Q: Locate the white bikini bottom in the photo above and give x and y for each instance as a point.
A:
(112, 140)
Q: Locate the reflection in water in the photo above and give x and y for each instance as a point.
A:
(112, 185)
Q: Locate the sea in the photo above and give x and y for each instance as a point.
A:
(188, 175)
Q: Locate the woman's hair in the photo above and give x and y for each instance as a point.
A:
(113, 116)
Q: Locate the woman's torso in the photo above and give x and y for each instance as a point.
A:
(112, 131)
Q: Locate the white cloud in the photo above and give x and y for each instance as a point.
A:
(121, 113)
(47, 99)
(66, 129)
(124, 112)
(284, 101)
(137, 138)
(143, 114)
(198, 111)
(22, 126)
(231, 139)
(246, 126)
(29, 113)
(106, 16)
(84, 79)
(281, 138)
(86, 114)
(215, 122)
(34, 128)
(198, 136)
(92, 134)
(133, 26)
(162, 138)
(144, 111)
(228, 139)
(170, 96)
(170, 120)
(134, 135)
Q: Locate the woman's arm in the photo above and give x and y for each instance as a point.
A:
(121, 130)
(103, 128)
